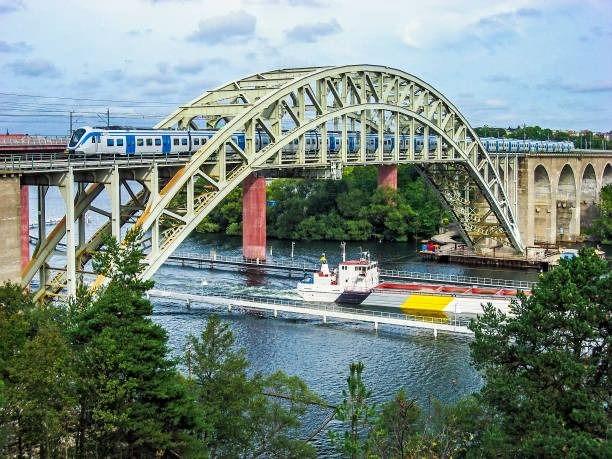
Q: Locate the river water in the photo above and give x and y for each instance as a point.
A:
(319, 353)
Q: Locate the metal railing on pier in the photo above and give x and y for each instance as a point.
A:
(450, 323)
(456, 279)
(202, 261)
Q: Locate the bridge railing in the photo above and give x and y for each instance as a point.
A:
(330, 307)
(385, 273)
(34, 140)
(58, 161)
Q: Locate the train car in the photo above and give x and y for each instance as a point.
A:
(125, 141)
(513, 145)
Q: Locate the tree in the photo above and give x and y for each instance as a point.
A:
(546, 365)
(244, 417)
(36, 365)
(356, 415)
(223, 390)
(352, 208)
(131, 399)
(396, 429)
(41, 396)
(601, 227)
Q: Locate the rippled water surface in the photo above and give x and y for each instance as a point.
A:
(320, 353)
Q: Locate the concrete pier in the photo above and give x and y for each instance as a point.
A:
(254, 217)
(10, 229)
(24, 220)
(387, 176)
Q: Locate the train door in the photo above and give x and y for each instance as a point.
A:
(130, 144)
(241, 141)
(165, 144)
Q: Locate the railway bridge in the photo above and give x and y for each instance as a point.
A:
(484, 192)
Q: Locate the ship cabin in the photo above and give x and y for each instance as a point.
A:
(358, 274)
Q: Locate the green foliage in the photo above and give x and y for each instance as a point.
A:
(36, 369)
(396, 429)
(547, 365)
(601, 227)
(242, 420)
(356, 414)
(226, 217)
(131, 399)
(349, 209)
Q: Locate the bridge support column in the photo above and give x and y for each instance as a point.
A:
(25, 225)
(67, 191)
(254, 217)
(387, 176)
(10, 229)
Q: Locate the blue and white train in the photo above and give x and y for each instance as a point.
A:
(123, 141)
(523, 146)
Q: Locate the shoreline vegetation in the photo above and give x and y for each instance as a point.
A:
(350, 209)
(94, 378)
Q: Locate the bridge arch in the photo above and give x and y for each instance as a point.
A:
(588, 197)
(542, 204)
(606, 177)
(566, 203)
(287, 104)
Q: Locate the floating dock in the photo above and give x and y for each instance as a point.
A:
(474, 259)
(324, 311)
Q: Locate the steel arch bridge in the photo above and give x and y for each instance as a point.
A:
(288, 103)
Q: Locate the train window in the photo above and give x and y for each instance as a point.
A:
(157, 142)
(176, 141)
(119, 142)
(93, 139)
(204, 139)
(184, 141)
(110, 143)
(140, 142)
(196, 141)
(149, 142)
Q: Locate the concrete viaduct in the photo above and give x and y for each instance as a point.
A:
(514, 199)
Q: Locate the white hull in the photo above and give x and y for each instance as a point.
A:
(320, 296)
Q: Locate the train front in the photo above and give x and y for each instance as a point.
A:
(76, 142)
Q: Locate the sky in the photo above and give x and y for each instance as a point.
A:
(502, 63)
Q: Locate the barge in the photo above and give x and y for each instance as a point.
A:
(357, 282)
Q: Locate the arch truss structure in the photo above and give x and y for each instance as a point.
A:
(357, 101)
(287, 104)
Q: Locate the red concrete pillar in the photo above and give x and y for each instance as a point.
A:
(254, 217)
(24, 210)
(387, 176)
